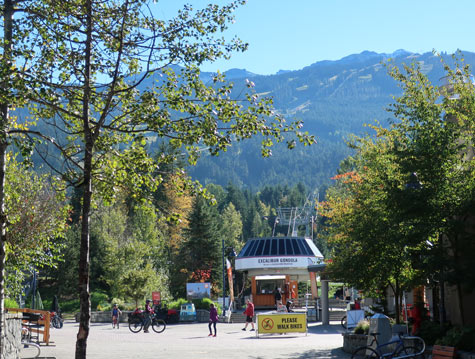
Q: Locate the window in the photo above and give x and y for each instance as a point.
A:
(260, 248)
(308, 250)
(290, 250)
(267, 248)
(249, 248)
(296, 247)
(281, 246)
(269, 286)
(274, 247)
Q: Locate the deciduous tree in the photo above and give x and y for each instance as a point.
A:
(104, 83)
(386, 224)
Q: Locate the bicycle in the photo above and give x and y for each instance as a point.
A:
(137, 322)
(384, 350)
(56, 320)
(28, 348)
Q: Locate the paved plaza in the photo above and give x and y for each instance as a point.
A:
(191, 341)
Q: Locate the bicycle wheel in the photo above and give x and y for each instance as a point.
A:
(29, 350)
(56, 322)
(135, 325)
(365, 353)
(343, 322)
(158, 325)
(408, 352)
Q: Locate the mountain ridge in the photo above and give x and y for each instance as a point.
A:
(334, 99)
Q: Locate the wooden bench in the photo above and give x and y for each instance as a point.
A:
(42, 325)
(442, 352)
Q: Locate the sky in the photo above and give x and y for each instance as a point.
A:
(292, 34)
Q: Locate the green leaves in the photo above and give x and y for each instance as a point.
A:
(372, 212)
(37, 214)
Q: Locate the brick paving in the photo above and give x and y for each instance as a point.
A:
(191, 341)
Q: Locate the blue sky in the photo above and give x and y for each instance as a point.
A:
(292, 34)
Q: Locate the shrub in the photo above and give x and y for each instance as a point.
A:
(176, 304)
(70, 306)
(10, 303)
(463, 338)
(202, 303)
(362, 327)
(104, 307)
(430, 331)
(99, 298)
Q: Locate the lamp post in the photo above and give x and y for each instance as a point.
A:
(231, 253)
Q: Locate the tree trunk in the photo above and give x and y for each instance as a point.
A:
(84, 296)
(4, 109)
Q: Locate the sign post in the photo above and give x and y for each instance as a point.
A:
(156, 298)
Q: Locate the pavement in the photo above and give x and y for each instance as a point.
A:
(191, 341)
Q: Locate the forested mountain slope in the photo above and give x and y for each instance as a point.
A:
(334, 99)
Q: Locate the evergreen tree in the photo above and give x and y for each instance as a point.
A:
(202, 249)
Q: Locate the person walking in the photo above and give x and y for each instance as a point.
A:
(116, 312)
(213, 319)
(249, 312)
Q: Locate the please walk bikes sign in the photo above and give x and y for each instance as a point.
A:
(270, 323)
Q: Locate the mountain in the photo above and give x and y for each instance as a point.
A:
(238, 73)
(334, 99)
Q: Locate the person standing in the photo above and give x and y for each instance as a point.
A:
(148, 312)
(116, 312)
(249, 312)
(277, 296)
(213, 319)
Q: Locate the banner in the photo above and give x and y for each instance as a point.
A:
(156, 298)
(229, 270)
(198, 290)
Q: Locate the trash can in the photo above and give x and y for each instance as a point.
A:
(379, 323)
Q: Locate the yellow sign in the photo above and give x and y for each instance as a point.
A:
(282, 323)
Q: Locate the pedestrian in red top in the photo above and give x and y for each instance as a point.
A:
(249, 312)
(213, 319)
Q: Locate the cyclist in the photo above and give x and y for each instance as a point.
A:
(148, 312)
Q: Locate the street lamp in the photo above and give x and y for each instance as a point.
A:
(231, 253)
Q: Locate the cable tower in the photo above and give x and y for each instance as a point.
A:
(295, 217)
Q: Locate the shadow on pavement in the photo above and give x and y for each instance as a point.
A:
(313, 354)
(326, 329)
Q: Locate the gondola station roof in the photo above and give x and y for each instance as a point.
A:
(278, 255)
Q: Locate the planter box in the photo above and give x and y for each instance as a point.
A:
(352, 341)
